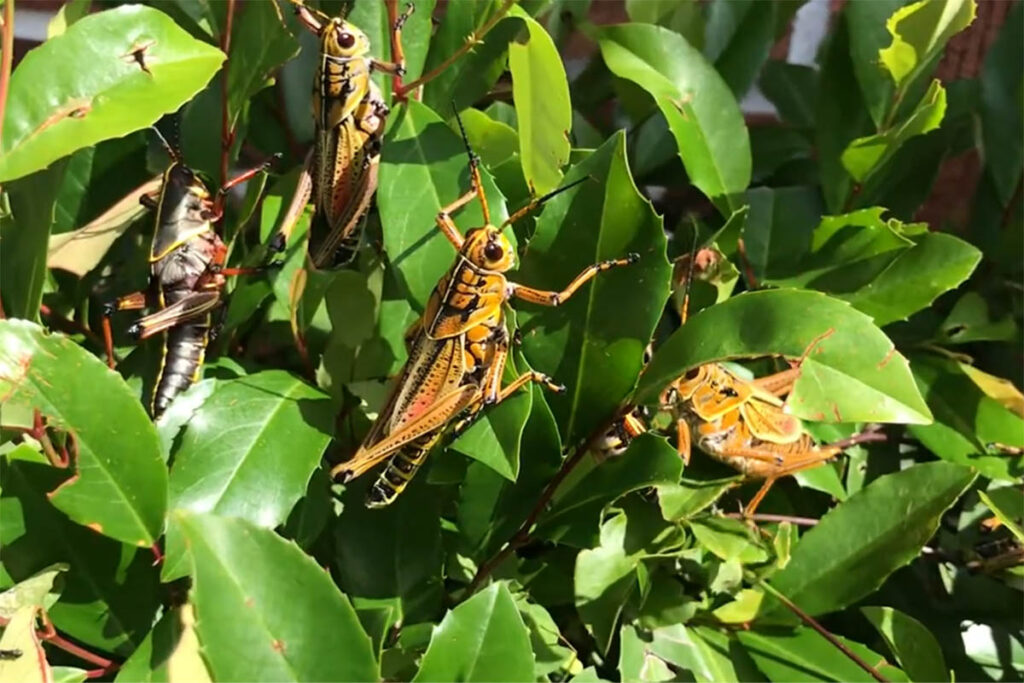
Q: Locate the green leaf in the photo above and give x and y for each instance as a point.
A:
(593, 343)
(120, 488)
(473, 75)
(915, 647)
(540, 91)
(701, 111)
(604, 579)
(966, 420)
(1006, 518)
(864, 155)
(69, 13)
(793, 89)
(250, 448)
(546, 640)
(25, 233)
(706, 654)
(483, 639)
(973, 318)
(636, 661)
(170, 653)
(424, 168)
(260, 44)
(682, 16)
(920, 31)
(494, 439)
(936, 264)
(684, 500)
(56, 107)
(149, 662)
(847, 252)
(738, 37)
(256, 593)
(729, 539)
(877, 530)
(110, 593)
(868, 35)
(778, 227)
(577, 506)
(488, 518)
(853, 375)
(841, 115)
(1002, 117)
(392, 552)
(804, 655)
(884, 268)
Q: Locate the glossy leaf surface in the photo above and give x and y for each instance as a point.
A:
(701, 111)
(290, 603)
(483, 639)
(593, 343)
(120, 489)
(856, 361)
(870, 535)
(141, 66)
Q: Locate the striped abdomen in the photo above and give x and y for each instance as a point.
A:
(184, 349)
(400, 470)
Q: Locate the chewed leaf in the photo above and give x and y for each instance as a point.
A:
(141, 66)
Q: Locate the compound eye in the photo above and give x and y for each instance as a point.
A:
(346, 40)
(493, 251)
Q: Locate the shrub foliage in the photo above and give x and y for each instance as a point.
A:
(517, 554)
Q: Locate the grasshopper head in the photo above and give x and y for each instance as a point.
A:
(342, 39)
(488, 249)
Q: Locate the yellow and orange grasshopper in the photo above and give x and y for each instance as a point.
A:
(743, 423)
(458, 348)
(349, 112)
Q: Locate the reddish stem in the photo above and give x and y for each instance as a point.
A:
(6, 60)
(226, 134)
(523, 534)
(68, 325)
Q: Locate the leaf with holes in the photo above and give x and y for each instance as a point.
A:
(141, 66)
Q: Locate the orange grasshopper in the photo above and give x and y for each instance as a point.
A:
(743, 423)
(340, 172)
(458, 349)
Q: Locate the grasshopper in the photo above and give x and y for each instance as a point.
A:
(340, 171)
(617, 438)
(187, 278)
(743, 423)
(458, 348)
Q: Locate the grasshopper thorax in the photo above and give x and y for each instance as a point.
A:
(488, 249)
(182, 212)
(340, 39)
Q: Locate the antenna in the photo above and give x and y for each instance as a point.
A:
(474, 167)
(171, 151)
(534, 203)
